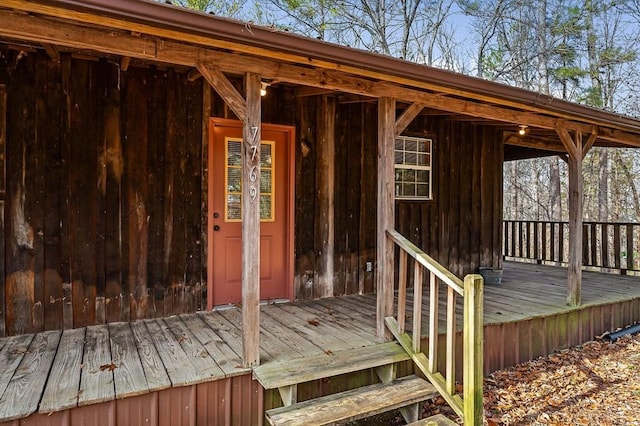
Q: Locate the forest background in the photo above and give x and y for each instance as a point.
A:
(583, 51)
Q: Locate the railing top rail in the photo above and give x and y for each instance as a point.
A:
(427, 261)
(586, 222)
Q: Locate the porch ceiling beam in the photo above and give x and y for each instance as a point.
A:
(225, 89)
(533, 142)
(44, 30)
(407, 117)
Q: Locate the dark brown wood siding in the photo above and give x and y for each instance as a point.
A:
(103, 192)
(105, 206)
(461, 226)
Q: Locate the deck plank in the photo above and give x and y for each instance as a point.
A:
(10, 356)
(176, 362)
(96, 380)
(206, 367)
(154, 371)
(25, 388)
(276, 348)
(63, 384)
(128, 375)
(304, 321)
(229, 361)
(229, 332)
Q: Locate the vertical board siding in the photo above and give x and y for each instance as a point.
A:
(105, 199)
(459, 227)
(103, 192)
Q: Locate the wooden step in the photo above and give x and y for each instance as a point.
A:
(354, 404)
(437, 420)
(274, 375)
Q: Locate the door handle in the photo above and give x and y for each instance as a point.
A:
(216, 215)
(216, 227)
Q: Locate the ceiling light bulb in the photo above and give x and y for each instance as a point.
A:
(263, 88)
(523, 129)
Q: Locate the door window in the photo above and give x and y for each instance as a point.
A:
(233, 179)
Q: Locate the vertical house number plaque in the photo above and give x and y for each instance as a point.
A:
(253, 172)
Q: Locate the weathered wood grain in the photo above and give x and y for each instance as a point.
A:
(228, 361)
(277, 374)
(23, 393)
(12, 352)
(128, 374)
(205, 366)
(354, 404)
(176, 362)
(154, 370)
(63, 384)
(96, 380)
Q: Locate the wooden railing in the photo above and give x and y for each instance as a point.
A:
(469, 406)
(608, 246)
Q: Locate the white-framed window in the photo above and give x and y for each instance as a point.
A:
(413, 168)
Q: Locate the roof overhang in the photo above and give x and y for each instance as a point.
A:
(156, 32)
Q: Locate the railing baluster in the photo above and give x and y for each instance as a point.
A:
(594, 244)
(513, 238)
(417, 306)
(434, 296)
(630, 265)
(451, 342)
(544, 241)
(536, 248)
(616, 245)
(552, 242)
(561, 242)
(604, 245)
(520, 251)
(505, 226)
(402, 290)
(585, 245)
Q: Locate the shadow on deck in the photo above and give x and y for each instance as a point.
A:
(189, 365)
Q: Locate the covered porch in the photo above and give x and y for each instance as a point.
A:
(182, 368)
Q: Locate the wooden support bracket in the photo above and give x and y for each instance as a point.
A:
(387, 373)
(52, 51)
(124, 63)
(223, 86)
(289, 394)
(407, 117)
(193, 75)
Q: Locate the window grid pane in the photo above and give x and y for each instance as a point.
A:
(233, 178)
(413, 168)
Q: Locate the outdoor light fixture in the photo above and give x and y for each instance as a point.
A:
(263, 88)
(523, 129)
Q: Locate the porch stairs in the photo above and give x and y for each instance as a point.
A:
(392, 393)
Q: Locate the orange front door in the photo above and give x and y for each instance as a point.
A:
(225, 213)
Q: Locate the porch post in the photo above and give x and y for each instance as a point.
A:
(386, 213)
(251, 132)
(325, 188)
(577, 150)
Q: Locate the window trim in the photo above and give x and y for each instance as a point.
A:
(403, 166)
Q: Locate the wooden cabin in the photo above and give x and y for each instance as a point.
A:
(168, 230)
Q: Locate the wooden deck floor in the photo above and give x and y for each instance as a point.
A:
(55, 370)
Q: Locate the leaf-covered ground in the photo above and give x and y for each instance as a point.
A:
(597, 383)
